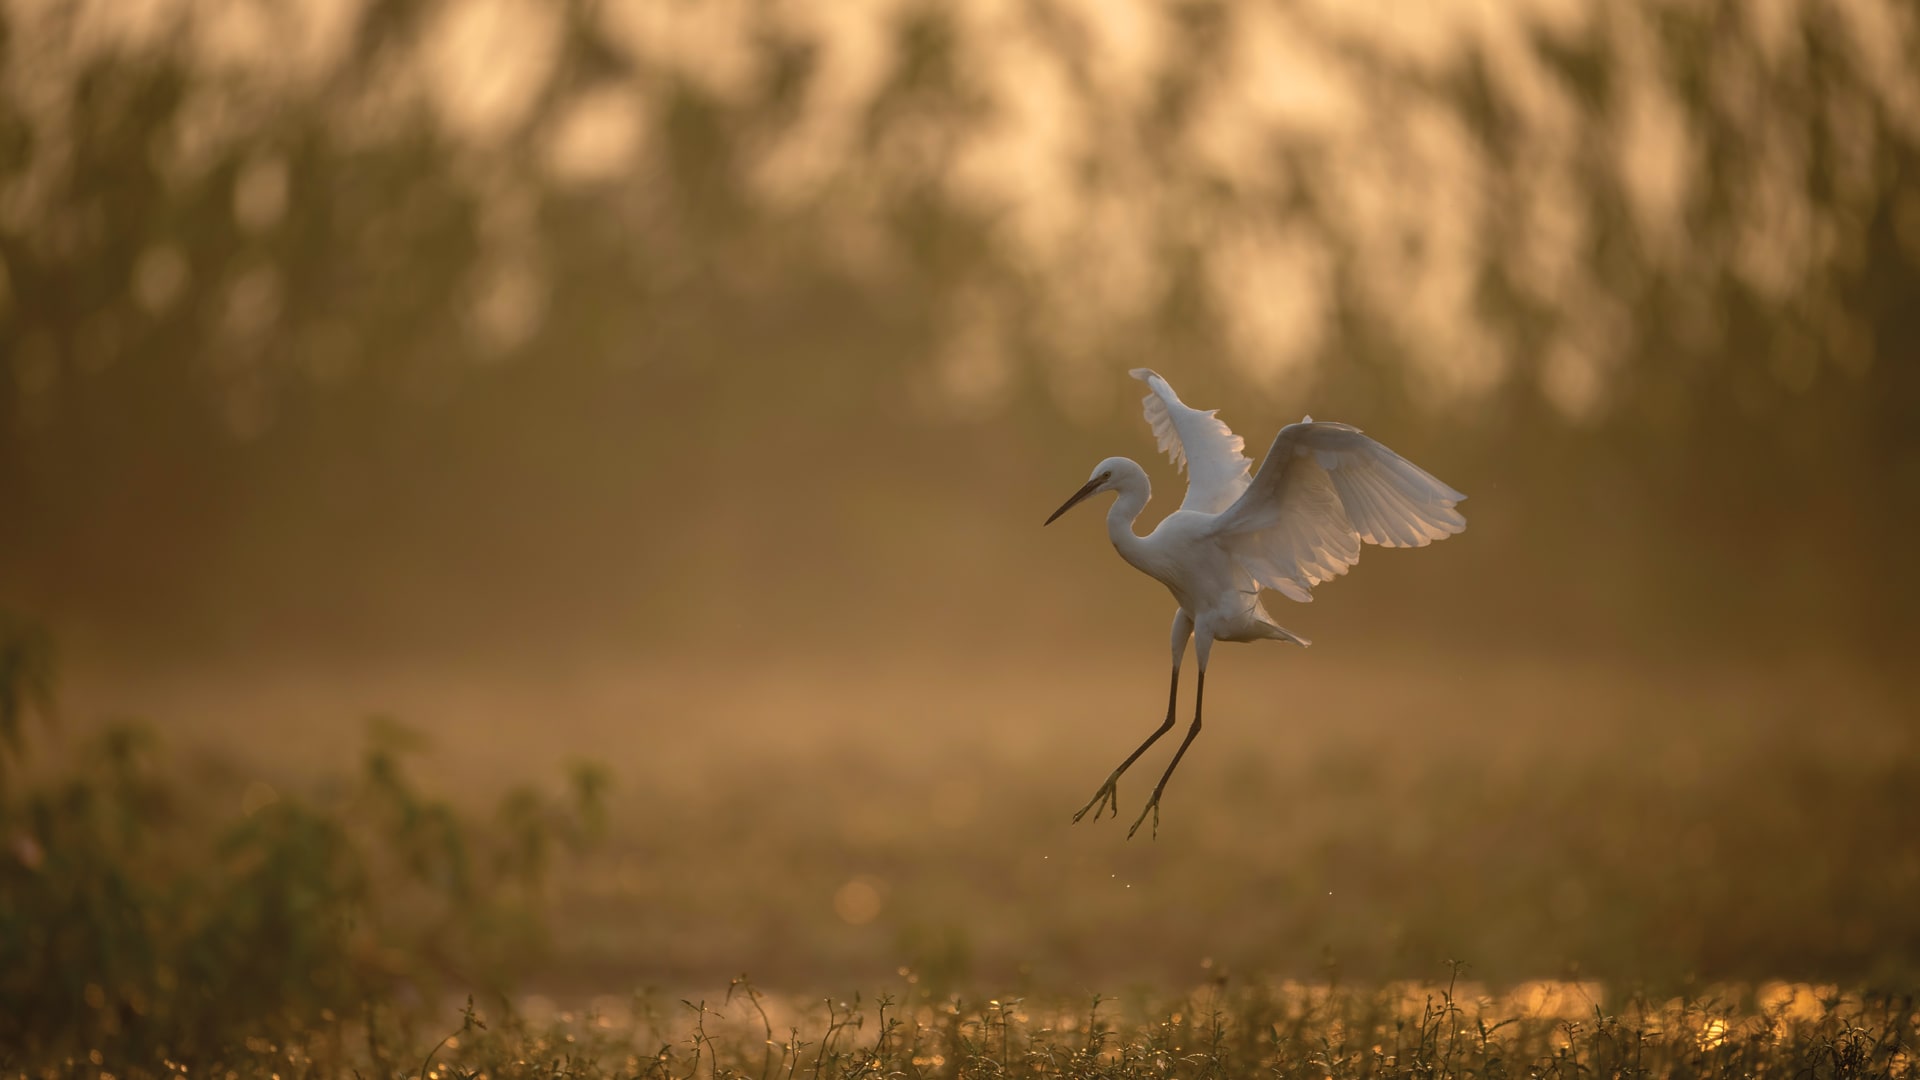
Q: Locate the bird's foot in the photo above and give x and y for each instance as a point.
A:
(1108, 797)
(1152, 807)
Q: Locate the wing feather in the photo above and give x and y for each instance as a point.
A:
(1200, 443)
(1324, 490)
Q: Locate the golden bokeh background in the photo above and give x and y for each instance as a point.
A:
(681, 383)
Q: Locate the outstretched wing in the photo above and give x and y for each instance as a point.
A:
(1200, 443)
(1323, 490)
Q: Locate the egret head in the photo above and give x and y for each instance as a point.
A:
(1107, 476)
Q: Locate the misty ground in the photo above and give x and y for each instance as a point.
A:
(827, 821)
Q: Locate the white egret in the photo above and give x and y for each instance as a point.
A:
(1323, 490)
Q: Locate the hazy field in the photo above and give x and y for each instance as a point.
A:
(1291, 1030)
(821, 825)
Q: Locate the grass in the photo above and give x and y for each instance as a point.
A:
(1313, 1032)
(143, 920)
(1714, 878)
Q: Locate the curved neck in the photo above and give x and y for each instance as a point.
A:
(1134, 493)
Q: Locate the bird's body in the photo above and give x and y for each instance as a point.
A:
(1213, 590)
(1323, 490)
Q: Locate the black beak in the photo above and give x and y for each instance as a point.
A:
(1077, 496)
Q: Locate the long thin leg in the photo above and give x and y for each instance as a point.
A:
(1109, 793)
(1153, 804)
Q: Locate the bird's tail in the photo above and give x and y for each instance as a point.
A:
(1264, 625)
(1275, 630)
(1281, 633)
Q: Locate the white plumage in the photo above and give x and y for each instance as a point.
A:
(1217, 469)
(1323, 491)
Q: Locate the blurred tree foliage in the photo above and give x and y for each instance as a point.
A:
(271, 275)
(26, 686)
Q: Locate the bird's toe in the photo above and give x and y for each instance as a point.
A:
(1107, 798)
(1152, 808)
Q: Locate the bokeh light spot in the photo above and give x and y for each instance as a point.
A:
(859, 901)
(160, 277)
(260, 194)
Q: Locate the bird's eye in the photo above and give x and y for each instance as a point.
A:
(1105, 476)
